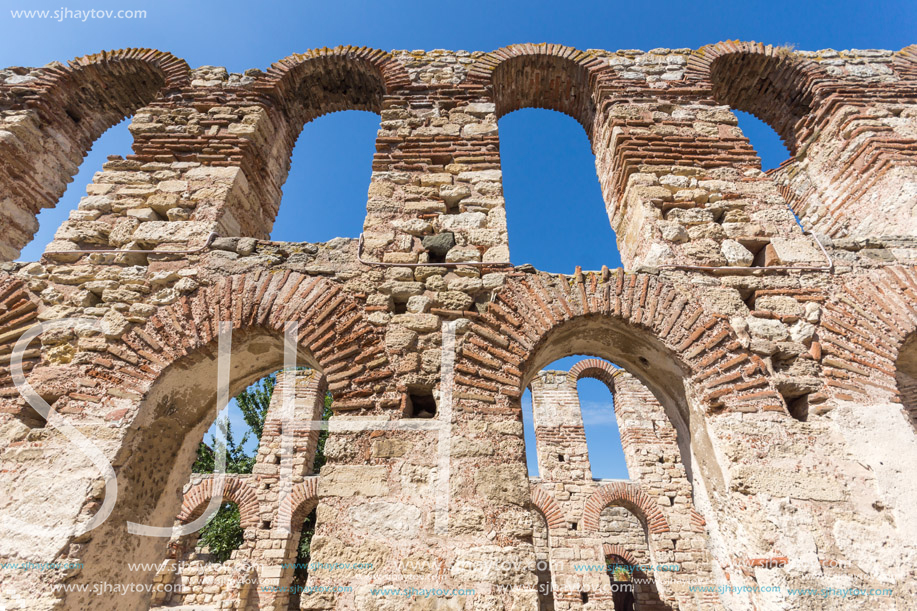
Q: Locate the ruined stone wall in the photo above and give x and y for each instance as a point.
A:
(658, 493)
(780, 360)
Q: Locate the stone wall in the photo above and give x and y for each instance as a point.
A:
(779, 362)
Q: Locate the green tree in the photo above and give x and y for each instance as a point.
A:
(223, 532)
(254, 401)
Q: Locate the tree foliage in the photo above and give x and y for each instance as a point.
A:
(223, 532)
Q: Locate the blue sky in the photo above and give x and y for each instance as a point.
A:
(554, 207)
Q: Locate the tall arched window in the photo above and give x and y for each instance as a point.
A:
(324, 196)
(764, 139)
(70, 107)
(115, 141)
(555, 213)
(605, 453)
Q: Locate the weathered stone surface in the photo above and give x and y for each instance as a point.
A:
(775, 413)
(440, 243)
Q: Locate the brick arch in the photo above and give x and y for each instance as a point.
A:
(868, 339)
(57, 81)
(597, 369)
(18, 312)
(547, 76)
(166, 370)
(69, 107)
(305, 86)
(332, 328)
(770, 82)
(905, 63)
(308, 85)
(630, 497)
(505, 345)
(235, 489)
(299, 503)
(546, 504)
(618, 550)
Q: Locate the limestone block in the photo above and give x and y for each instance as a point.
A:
(384, 519)
(351, 480)
(736, 254)
(795, 251)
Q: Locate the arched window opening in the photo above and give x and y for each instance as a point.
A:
(604, 454)
(307, 528)
(528, 431)
(764, 139)
(252, 461)
(242, 422)
(620, 574)
(116, 140)
(906, 376)
(628, 562)
(556, 216)
(325, 194)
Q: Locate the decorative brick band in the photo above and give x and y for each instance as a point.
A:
(905, 63)
(235, 489)
(596, 369)
(17, 314)
(299, 504)
(631, 497)
(863, 330)
(547, 505)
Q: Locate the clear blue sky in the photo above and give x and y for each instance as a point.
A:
(547, 163)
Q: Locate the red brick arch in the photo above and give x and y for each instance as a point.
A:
(332, 328)
(864, 328)
(72, 105)
(18, 312)
(168, 72)
(596, 369)
(548, 76)
(768, 81)
(549, 508)
(629, 496)
(286, 75)
(905, 63)
(617, 550)
(306, 86)
(503, 345)
(235, 489)
(299, 504)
